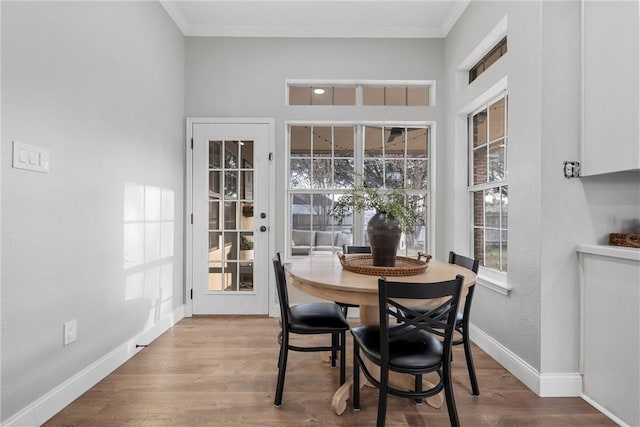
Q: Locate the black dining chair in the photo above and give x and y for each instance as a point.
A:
(462, 318)
(307, 319)
(349, 249)
(416, 344)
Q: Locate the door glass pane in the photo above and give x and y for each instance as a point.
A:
(231, 154)
(215, 276)
(231, 277)
(231, 184)
(214, 183)
(215, 153)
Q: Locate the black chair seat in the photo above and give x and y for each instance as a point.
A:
(419, 351)
(316, 318)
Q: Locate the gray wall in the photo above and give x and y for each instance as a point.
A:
(548, 214)
(101, 85)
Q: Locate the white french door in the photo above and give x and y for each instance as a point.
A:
(230, 234)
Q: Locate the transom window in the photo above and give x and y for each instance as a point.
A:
(324, 161)
(488, 60)
(369, 92)
(488, 184)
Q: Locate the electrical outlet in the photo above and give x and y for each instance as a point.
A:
(70, 330)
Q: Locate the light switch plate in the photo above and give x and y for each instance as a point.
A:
(30, 157)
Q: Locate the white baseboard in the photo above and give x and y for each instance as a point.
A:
(544, 385)
(54, 401)
(604, 410)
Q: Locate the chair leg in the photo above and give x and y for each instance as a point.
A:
(284, 349)
(343, 357)
(280, 342)
(356, 377)
(382, 397)
(470, 366)
(334, 346)
(418, 387)
(448, 394)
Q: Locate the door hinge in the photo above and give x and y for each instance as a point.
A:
(192, 293)
(270, 156)
(191, 218)
(192, 143)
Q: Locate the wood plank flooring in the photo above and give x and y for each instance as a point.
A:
(221, 371)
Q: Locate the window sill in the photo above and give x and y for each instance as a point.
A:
(496, 281)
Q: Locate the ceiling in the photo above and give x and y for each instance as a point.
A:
(315, 18)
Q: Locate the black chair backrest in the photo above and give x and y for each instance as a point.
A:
(408, 320)
(463, 261)
(347, 249)
(281, 286)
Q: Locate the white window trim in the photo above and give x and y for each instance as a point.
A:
(431, 192)
(494, 280)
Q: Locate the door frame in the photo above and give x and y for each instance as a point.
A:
(188, 225)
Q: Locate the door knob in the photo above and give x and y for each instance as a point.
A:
(263, 228)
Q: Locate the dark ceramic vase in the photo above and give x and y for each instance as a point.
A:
(384, 237)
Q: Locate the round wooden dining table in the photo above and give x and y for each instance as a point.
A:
(323, 276)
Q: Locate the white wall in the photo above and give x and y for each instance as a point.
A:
(246, 77)
(548, 214)
(99, 237)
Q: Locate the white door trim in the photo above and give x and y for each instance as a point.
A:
(188, 226)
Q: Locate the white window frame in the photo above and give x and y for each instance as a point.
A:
(359, 161)
(487, 277)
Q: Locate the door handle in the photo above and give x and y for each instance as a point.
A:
(263, 228)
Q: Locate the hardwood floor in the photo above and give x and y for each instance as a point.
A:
(221, 371)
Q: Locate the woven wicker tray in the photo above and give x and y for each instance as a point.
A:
(363, 264)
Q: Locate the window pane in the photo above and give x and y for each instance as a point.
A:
(347, 223)
(300, 213)
(415, 241)
(496, 120)
(373, 173)
(299, 95)
(417, 174)
(478, 208)
(322, 173)
(394, 146)
(300, 141)
(505, 206)
(372, 141)
(418, 95)
(480, 165)
(372, 95)
(321, 220)
(344, 173)
(492, 208)
(492, 249)
(344, 96)
(496, 161)
(478, 244)
(395, 96)
(417, 143)
(480, 128)
(300, 173)
(394, 173)
(325, 98)
(322, 141)
(504, 238)
(343, 141)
